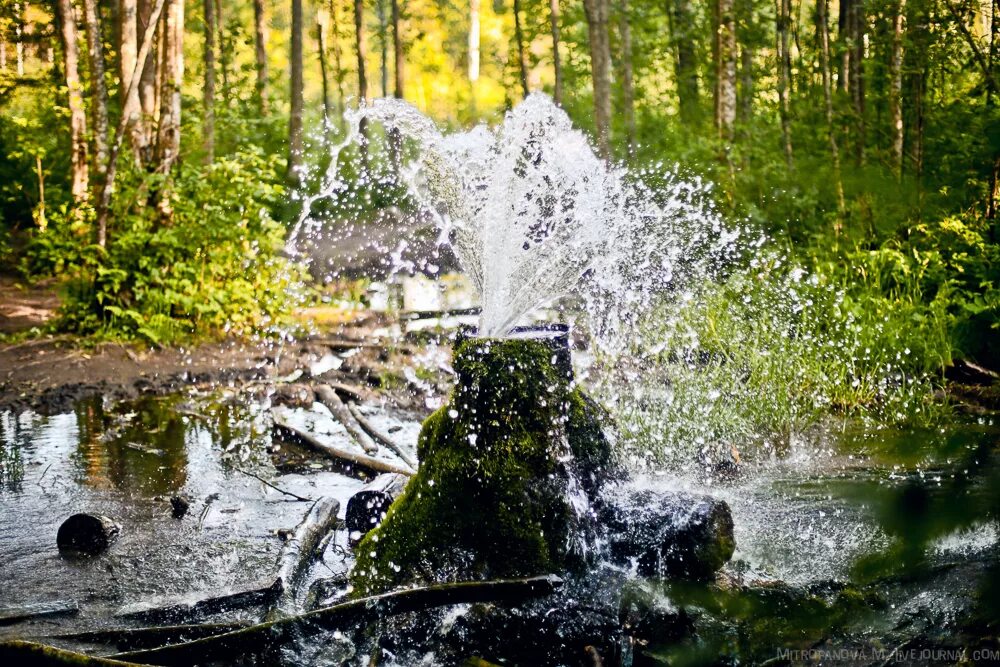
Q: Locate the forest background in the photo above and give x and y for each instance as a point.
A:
(149, 148)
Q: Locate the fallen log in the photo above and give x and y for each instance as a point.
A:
(12, 615)
(667, 533)
(367, 507)
(328, 397)
(300, 550)
(87, 534)
(158, 635)
(266, 636)
(360, 460)
(195, 611)
(33, 654)
(381, 437)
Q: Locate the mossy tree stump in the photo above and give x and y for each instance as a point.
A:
(503, 468)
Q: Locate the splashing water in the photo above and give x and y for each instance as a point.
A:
(532, 214)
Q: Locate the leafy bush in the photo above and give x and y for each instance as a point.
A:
(214, 266)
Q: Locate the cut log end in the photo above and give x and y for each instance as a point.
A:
(86, 534)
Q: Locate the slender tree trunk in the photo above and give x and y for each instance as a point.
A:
(148, 85)
(3, 51)
(171, 78)
(383, 42)
(225, 48)
(398, 50)
(473, 41)
(844, 44)
(297, 100)
(79, 176)
(337, 57)
(993, 196)
(362, 49)
(322, 27)
(918, 40)
(823, 29)
(19, 38)
(128, 45)
(725, 69)
(556, 64)
(522, 60)
(208, 93)
(99, 103)
(857, 23)
(896, 86)
(745, 108)
(260, 53)
(784, 76)
(685, 60)
(600, 66)
(628, 90)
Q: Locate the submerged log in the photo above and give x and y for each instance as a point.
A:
(360, 460)
(194, 611)
(667, 533)
(367, 507)
(381, 437)
(300, 550)
(87, 534)
(137, 638)
(12, 615)
(328, 397)
(32, 654)
(266, 636)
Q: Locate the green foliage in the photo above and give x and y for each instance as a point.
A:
(213, 266)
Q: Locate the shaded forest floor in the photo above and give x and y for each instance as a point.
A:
(24, 307)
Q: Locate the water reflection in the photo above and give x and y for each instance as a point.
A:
(138, 446)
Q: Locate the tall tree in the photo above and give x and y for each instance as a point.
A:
(260, 53)
(322, 39)
(600, 67)
(783, 13)
(685, 60)
(338, 64)
(556, 64)
(168, 144)
(225, 48)
(398, 50)
(725, 68)
(295, 148)
(19, 38)
(628, 90)
(148, 84)
(823, 32)
(857, 27)
(99, 88)
(208, 92)
(362, 50)
(896, 86)
(383, 43)
(522, 59)
(79, 174)
(473, 40)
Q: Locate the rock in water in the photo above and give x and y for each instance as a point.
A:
(501, 463)
(667, 533)
(86, 534)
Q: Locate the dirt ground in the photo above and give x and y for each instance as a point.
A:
(24, 307)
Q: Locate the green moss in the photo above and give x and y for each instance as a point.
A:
(489, 500)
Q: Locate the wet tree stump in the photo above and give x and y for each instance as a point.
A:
(86, 534)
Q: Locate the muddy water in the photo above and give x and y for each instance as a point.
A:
(126, 461)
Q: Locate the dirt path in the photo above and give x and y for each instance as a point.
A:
(24, 307)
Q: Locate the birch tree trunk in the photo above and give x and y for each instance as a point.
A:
(823, 30)
(522, 61)
(474, 40)
(260, 53)
(99, 103)
(79, 175)
(168, 140)
(600, 67)
(322, 28)
(725, 69)
(556, 64)
(383, 43)
(297, 101)
(856, 27)
(896, 86)
(628, 90)
(685, 61)
(225, 49)
(362, 48)
(338, 65)
(19, 37)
